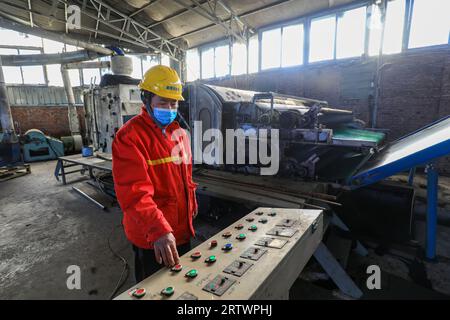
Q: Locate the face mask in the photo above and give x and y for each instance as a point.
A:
(165, 116)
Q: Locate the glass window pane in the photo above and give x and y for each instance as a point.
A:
(208, 63)
(192, 65)
(137, 71)
(149, 61)
(375, 29)
(271, 49)
(165, 60)
(239, 59)
(51, 46)
(222, 61)
(430, 23)
(292, 46)
(32, 74)
(253, 56)
(54, 75)
(105, 70)
(12, 74)
(393, 33)
(91, 76)
(74, 75)
(322, 39)
(350, 33)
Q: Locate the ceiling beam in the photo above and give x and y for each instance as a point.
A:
(176, 15)
(212, 17)
(243, 15)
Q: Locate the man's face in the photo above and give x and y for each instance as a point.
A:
(164, 103)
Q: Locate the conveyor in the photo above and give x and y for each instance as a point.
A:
(421, 147)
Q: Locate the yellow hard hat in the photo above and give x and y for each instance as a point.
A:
(162, 81)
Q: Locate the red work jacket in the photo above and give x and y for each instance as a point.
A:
(153, 180)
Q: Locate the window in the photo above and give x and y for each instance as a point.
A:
(393, 32)
(322, 38)
(137, 67)
(208, 63)
(292, 45)
(12, 75)
(350, 33)
(32, 74)
(430, 23)
(51, 46)
(91, 76)
(74, 75)
(165, 60)
(222, 61)
(239, 59)
(270, 49)
(192, 65)
(54, 75)
(253, 54)
(375, 29)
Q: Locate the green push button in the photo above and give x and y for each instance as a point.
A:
(253, 227)
(168, 291)
(191, 273)
(241, 236)
(211, 259)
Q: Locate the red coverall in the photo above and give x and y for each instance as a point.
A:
(157, 195)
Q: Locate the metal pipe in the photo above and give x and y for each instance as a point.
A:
(88, 65)
(74, 123)
(61, 37)
(84, 194)
(5, 109)
(54, 58)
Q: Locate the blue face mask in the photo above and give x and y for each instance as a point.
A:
(165, 116)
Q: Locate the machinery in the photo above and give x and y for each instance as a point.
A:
(37, 146)
(107, 109)
(316, 141)
(257, 257)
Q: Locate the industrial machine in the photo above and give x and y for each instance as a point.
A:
(257, 257)
(37, 146)
(316, 141)
(107, 109)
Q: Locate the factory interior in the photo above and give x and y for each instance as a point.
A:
(313, 160)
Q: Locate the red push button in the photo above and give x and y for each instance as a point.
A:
(213, 244)
(196, 255)
(177, 268)
(239, 226)
(138, 293)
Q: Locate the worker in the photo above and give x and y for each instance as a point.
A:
(152, 171)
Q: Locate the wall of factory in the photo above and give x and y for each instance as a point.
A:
(43, 108)
(52, 120)
(414, 88)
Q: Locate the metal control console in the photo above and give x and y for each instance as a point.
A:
(257, 257)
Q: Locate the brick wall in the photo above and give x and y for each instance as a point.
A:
(52, 120)
(414, 88)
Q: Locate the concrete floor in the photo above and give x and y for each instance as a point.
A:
(47, 227)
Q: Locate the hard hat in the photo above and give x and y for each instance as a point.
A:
(162, 81)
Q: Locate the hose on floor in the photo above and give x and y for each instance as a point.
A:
(126, 270)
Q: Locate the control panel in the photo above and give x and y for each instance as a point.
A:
(257, 257)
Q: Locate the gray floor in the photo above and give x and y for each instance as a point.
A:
(47, 227)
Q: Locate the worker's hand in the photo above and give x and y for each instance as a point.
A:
(166, 250)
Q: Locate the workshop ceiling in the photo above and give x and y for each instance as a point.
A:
(161, 25)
